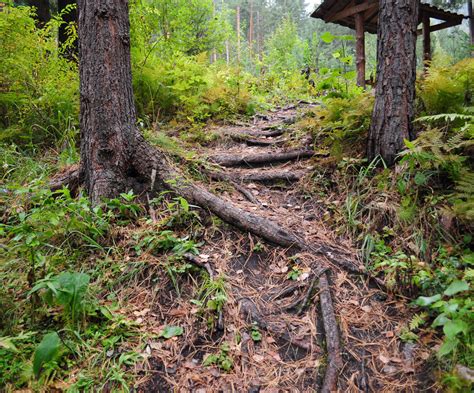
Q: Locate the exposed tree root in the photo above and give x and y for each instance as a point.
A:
(219, 176)
(255, 142)
(271, 131)
(68, 178)
(252, 315)
(331, 330)
(158, 174)
(271, 177)
(262, 159)
(155, 171)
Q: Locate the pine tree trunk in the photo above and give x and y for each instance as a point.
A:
(107, 116)
(396, 75)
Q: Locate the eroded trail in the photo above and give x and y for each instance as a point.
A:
(271, 334)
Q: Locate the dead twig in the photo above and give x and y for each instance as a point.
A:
(198, 262)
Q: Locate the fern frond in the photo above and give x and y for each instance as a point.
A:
(418, 320)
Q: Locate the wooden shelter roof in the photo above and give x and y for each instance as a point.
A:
(343, 13)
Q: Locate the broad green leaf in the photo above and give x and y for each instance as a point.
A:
(46, 351)
(426, 301)
(456, 287)
(453, 328)
(448, 347)
(440, 320)
(327, 37)
(171, 331)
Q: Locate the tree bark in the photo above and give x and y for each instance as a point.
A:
(360, 49)
(107, 115)
(396, 75)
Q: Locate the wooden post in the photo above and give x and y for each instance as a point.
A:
(360, 49)
(426, 41)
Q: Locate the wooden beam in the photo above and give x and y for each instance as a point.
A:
(426, 41)
(360, 49)
(350, 11)
(442, 26)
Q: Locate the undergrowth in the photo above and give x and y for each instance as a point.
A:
(413, 224)
(65, 267)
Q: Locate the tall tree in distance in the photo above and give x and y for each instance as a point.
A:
(393, 113)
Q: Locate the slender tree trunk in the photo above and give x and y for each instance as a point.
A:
(471, 25)
(360, 50)
(43, 13)
(396, 75)
(251, 27)
(238, 34)
(68, 17)
(107, 115)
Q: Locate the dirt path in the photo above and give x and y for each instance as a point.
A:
(270, 333)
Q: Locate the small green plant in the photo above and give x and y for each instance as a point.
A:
(221, 359)
(68, 290)
(255, 333)
(47, 351)
(294, 273)
(211, 298)
(454, 315)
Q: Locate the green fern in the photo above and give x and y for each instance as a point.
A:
(463, 197)
(418, 321)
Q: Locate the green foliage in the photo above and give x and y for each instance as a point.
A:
(447, 89)
(341, 123)
(285, 50)
(47, 351)
(221, 359)
(69, 291)
(255, 333)
(38, 87)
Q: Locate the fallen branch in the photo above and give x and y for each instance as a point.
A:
(331, 330)
(262, 159)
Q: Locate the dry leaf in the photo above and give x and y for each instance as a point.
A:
(258, 358)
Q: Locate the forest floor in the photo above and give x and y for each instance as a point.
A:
(269, 335)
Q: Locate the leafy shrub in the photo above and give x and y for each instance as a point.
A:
(38, 87)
